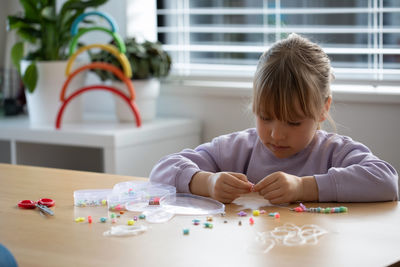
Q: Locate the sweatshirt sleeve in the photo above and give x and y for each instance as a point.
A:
(357, 175)
(177, 169)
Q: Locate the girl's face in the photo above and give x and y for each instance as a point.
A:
(285, 139)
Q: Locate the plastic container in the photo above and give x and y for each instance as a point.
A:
(138, 196)
(91, 197)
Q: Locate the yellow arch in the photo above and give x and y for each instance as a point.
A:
(126, 66)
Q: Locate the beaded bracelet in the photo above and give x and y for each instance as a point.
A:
(303, 208)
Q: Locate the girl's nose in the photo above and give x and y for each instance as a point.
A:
(278, 131)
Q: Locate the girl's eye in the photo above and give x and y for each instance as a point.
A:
(294, 123)
(264, 118)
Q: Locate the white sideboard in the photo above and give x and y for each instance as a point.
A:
(100, 146)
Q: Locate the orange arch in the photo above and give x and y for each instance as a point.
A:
(130, 102)
(104, 66)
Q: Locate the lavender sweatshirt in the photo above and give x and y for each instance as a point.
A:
(345, 170)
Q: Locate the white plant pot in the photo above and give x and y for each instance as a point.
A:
(147, 92)
(44, 103)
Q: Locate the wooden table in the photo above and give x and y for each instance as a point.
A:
(368, 235)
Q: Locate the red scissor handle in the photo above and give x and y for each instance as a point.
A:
(48, 202)
(29, 204)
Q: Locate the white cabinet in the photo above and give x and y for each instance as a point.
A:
(100, 146)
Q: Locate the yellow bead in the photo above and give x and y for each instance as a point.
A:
(256, 212)
(104, 202)
(131, 222)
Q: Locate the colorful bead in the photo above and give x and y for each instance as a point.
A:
(89, 218)
(103, 219)
(113, 220)
(79, 219)
(256, 212)
(271, 214)
(142, 216)
(277, 215)
(131, 222)
(242, 214)
(343, 209)
(208, 225)
(196, 221)
(135, 218)
(240, 223)
(209, 219)
(104, 202)
(121, 212)
(251, 220)
(186, 231)
(262, 212)
(112, 215)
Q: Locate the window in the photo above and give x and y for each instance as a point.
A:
(226, 37)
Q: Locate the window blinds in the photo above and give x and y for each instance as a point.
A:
(226, 37)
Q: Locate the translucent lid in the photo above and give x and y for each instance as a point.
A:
(182, 204)
(189, 204)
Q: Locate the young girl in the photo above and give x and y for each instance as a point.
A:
(286, 158)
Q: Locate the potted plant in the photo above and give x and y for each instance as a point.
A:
(46, 34)
(149, 62)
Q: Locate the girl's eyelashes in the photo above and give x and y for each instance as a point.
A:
(264, 118)
(292, 123)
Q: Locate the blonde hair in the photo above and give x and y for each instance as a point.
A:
(294, 73)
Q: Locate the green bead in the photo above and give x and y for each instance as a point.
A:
(343, 209)
(327, 210)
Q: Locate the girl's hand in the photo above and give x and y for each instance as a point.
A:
(280, 187)
(226, 186)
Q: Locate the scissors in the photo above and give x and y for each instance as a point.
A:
(43, 204)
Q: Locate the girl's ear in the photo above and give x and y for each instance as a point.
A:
(326, 108)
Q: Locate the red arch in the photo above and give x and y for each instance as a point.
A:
(104, 66)
(131, 104)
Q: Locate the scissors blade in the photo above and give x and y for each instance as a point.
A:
(45, 209)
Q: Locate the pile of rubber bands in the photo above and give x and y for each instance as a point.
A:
(286, 235)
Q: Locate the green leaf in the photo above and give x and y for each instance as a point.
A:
(31, 10)
(30, 77)
(17, 53)
(28, 34)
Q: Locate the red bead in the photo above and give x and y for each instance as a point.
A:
(298, 209)
(251, 220)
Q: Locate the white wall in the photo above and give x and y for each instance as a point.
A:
(374, 122)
